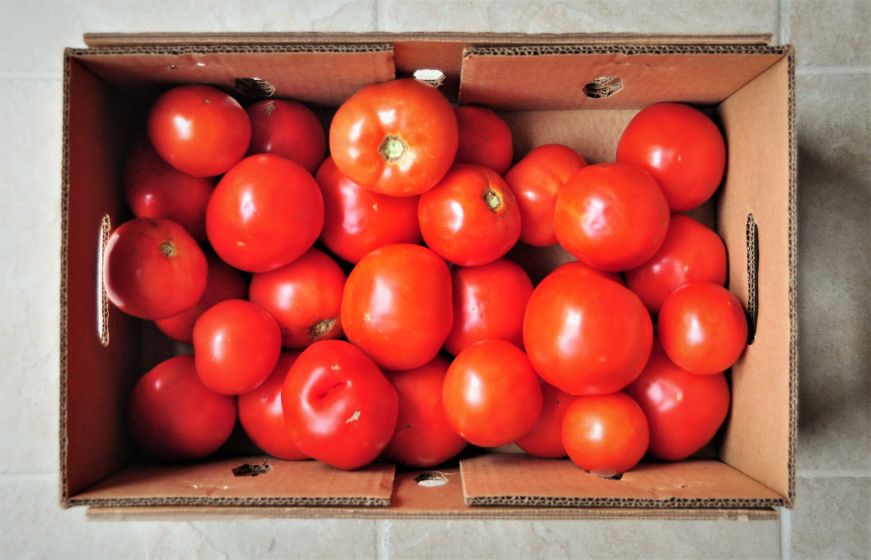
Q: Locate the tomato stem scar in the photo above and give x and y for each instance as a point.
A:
(322, 328)
(392, 148)
(168, 249)
(493, 199)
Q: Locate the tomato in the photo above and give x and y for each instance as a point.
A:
(265, 213)
(397, 138)
(357, 220)
(172, 416)
(605, 435)
(690, 253)
(489, 302)
(485, 139)
(199, 130)
(681, 147)
(236, 346)
(262, 416)
(683, 410)
(423, 437)
(612, 216)
(153, 269)
(545, 439)
(536, 181)
(702, 328)
(585, 334)
(338, 406)
(287, 129)
(491, 394)
(471, 217)
(397, 305)
(305, 297)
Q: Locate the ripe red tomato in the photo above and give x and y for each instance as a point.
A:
(545, 439)
(262, 416)
(423, 437)
(199, 130)
(236, 346)
(287, 129)
(605, 435)
(174, 417)
(536, 181)
(357, 220)
(153, 269)
(681, 147)
(585, 334)
(690, 253)
(702, 328)
(397, 305)
(491, 394)
(485, 139)
(338, 406)
(305, 297)
(683, 410)
(265, 213)
(471, 217)
(489, 302)
(612, 216)
(397, 138)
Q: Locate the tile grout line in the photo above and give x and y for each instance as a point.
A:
(28, 477)
(779, 22)
(823, 70)
(813, 475)
(785, 534)
(31, 76)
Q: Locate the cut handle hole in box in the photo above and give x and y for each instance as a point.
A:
(752, 277)
(102, 296)
(603, 87)
(431, 479)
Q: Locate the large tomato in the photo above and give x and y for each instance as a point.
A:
(545, 439)
(287, 129)
(485, 139)
(397, 138)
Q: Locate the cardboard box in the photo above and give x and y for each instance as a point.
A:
(549, 89)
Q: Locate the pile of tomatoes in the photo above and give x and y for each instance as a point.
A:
(362, 305)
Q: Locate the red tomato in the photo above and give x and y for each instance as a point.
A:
(702, 328)
(491, 394)
(153, 269)
(545, 439)
(199, 130)
(262, 416)
(683, 410)
(287, 129)
(485, 139)
(690, 253)
(681, 147)
(338, 406)
(536, 181)
(305, 297)
(236, 346)
(357, 220)
(265, 213)
(471, 217)
(174, 417)
(423, 436)
(397, 305)
(489, 302)
(397, 138)
(585, 334)
(612, 216)
(605, 435)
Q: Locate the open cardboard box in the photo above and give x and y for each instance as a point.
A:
(538, 83)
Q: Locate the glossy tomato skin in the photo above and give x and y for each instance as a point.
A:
(262, 416)
(612, 216)
(338, 406)
(153, 269)
(471, 217)
(397, 305)
(236, 346)
(265, 213)
(536, 181)
(423, 437)
(489, 302)
(586, 334)
(545, 439)
(491, 394)
(358, 220)
(199, 130)
(681, 147)
(485, 139)
(305, 297)
(287, 129)
(702, 328)
(172, 416)
(396, 138)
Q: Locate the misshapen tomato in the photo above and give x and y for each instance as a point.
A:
(485, 139)
(545, 439)
(287, 129)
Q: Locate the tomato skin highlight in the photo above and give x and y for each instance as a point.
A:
(287, 129)
(485, 139)
(545, 439)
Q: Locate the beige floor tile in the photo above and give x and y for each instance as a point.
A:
(828, 32)
(832, 519)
